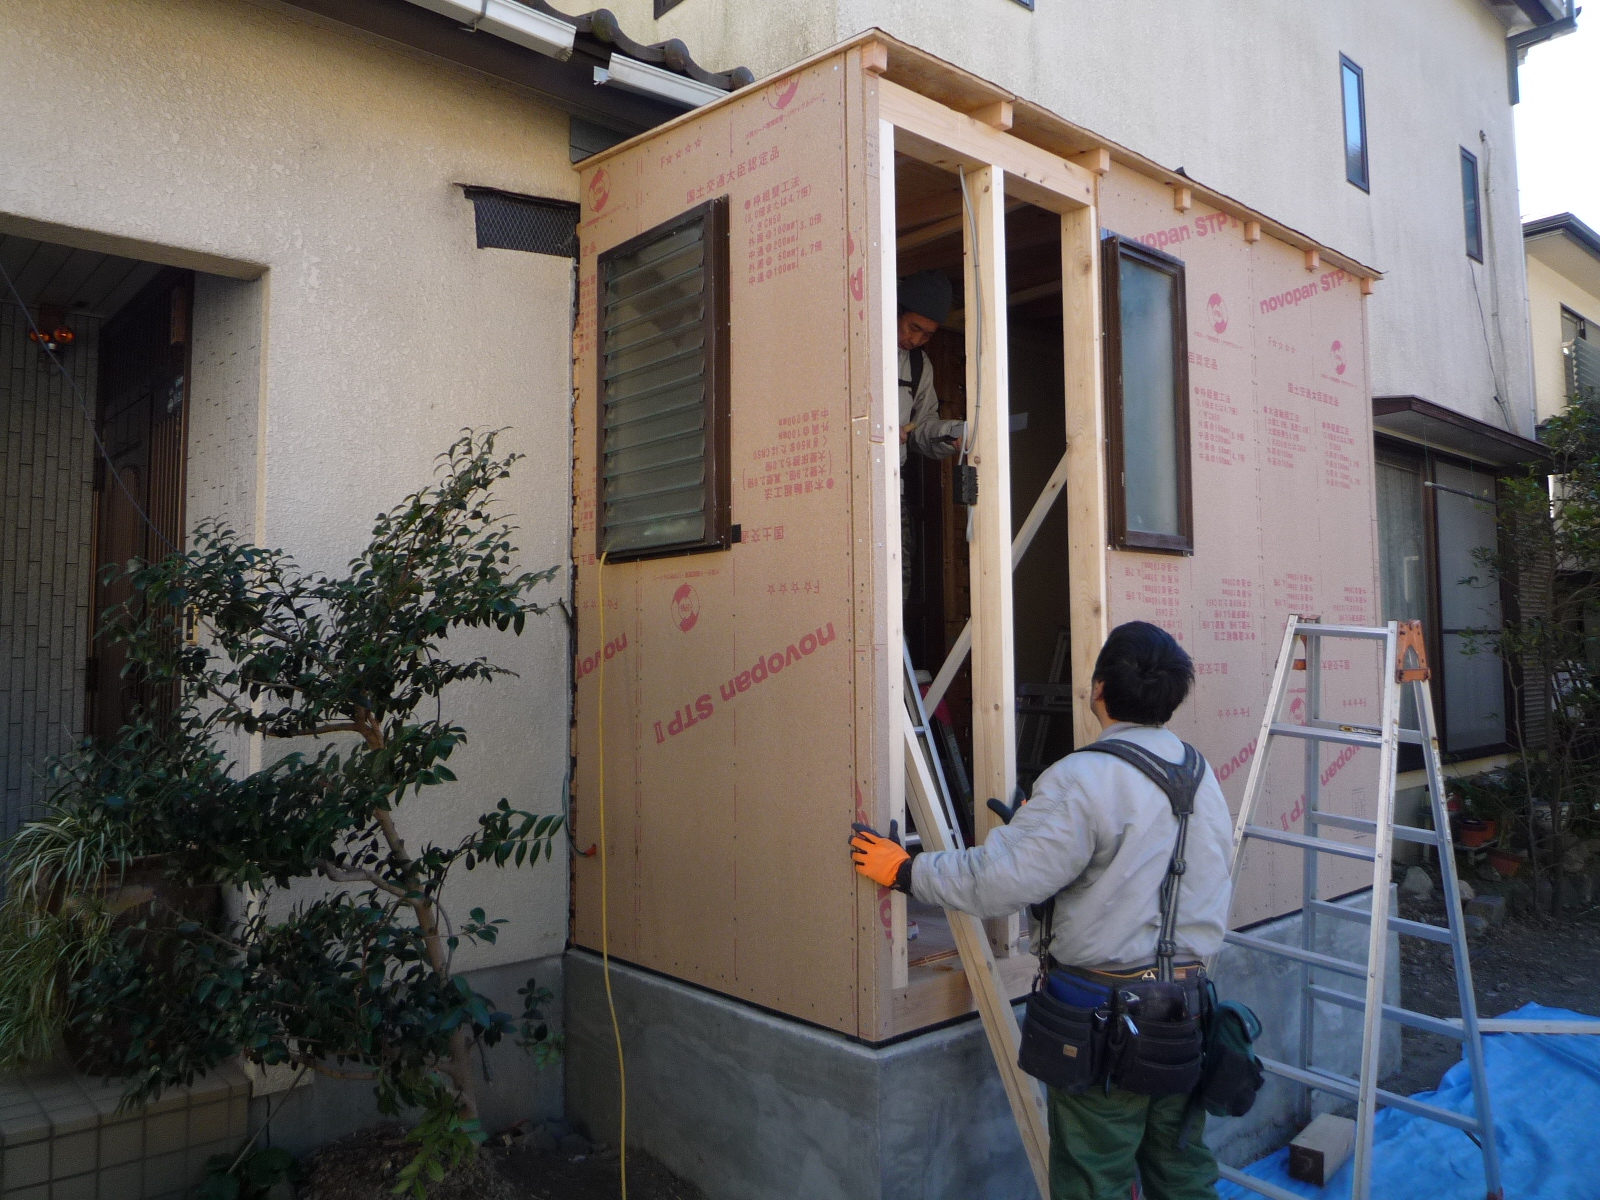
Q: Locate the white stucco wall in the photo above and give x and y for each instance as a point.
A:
(1245, 96)
(367, 328)
(1548, 292)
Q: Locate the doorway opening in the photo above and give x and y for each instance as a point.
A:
(930, 236)
(95, 349)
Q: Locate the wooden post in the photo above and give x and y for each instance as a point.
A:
(1086, 467)
(994, 714)
(983, 977)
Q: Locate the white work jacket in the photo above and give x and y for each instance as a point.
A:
(922, 409)
(1098, 834)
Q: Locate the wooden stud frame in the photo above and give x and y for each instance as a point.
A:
(718, 486)
(1115, 249)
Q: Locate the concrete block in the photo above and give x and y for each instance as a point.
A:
(121, 1142)
(23, 1166)
(73, 1118)
(1491, 908)
(74, 1152)
(78, 1187)
(166, 1173)
(238, 1116)
(40, 1191)
(209, 1122)
(25, 1127)
(166, 1132)
(125, 1182)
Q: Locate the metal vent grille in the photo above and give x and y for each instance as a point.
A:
(511, 222)
(663, 371)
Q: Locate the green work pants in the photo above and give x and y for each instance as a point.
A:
(1099, 1139)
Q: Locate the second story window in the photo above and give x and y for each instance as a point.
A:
(1470, 210)
(1353, 88)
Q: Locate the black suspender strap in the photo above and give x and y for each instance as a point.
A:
(1180, 782)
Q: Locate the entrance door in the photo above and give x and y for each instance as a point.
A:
(143, 422)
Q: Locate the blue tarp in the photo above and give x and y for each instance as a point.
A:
(1545, 1093)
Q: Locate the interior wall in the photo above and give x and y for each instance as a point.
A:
(46, 505)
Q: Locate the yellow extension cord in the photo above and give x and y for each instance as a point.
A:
(605, 915)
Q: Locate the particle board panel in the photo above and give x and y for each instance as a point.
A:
(730, 702)
(1285, 521)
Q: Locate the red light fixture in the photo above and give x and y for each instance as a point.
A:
(52, 334)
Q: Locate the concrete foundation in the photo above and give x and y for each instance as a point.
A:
(752, 1106)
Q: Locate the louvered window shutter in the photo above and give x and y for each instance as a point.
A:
(663, 305)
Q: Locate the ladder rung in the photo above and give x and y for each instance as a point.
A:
(1344, 631)
(1310, 957)
(1414, 736)
(1443, 1026)
(1259, 1186)
(1434, 933)
(1311, 733)
(1406, 833)
(1322, 845)
(1342, 1085)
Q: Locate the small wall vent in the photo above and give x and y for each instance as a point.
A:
(507, 221)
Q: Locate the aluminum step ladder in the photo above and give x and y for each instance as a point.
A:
(1404, 664)
(922, 727)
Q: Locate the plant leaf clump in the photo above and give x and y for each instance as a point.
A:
(351, 976)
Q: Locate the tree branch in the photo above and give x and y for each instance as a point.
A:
(344, 875)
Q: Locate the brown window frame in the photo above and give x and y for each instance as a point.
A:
(719, 490)
(1113, 247)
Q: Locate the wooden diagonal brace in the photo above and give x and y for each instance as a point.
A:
(983, 976)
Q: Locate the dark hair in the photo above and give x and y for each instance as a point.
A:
(1145, 672)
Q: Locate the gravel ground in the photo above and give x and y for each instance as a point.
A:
(1553, 961)
(364, 1165)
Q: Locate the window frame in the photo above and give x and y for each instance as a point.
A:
(1113, 247)
(1472, 219)
(1424, 459)
(719, 482)
(1346, 63)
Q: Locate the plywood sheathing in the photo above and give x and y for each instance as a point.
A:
(732, 702)
(1284, 510)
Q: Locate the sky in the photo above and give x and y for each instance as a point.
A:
(1558, 125)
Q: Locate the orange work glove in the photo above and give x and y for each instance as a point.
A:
(881, 859)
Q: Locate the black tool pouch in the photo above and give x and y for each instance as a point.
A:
(1062, 1046)
(1162, 1059)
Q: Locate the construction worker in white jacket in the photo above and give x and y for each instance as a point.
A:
(1095, 841)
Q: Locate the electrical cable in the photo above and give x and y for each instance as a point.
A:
(605, 914)
(87, 415)
(977, 304)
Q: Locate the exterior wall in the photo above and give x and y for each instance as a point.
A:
(1284, 514)
(1245, 97)
(359, 328)
(1548, 291)
(46, 506)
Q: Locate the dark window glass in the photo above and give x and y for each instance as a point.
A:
(1435, 516)
(1353, 88)
(1147, 371)
(1470, 206)
(662, 385)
